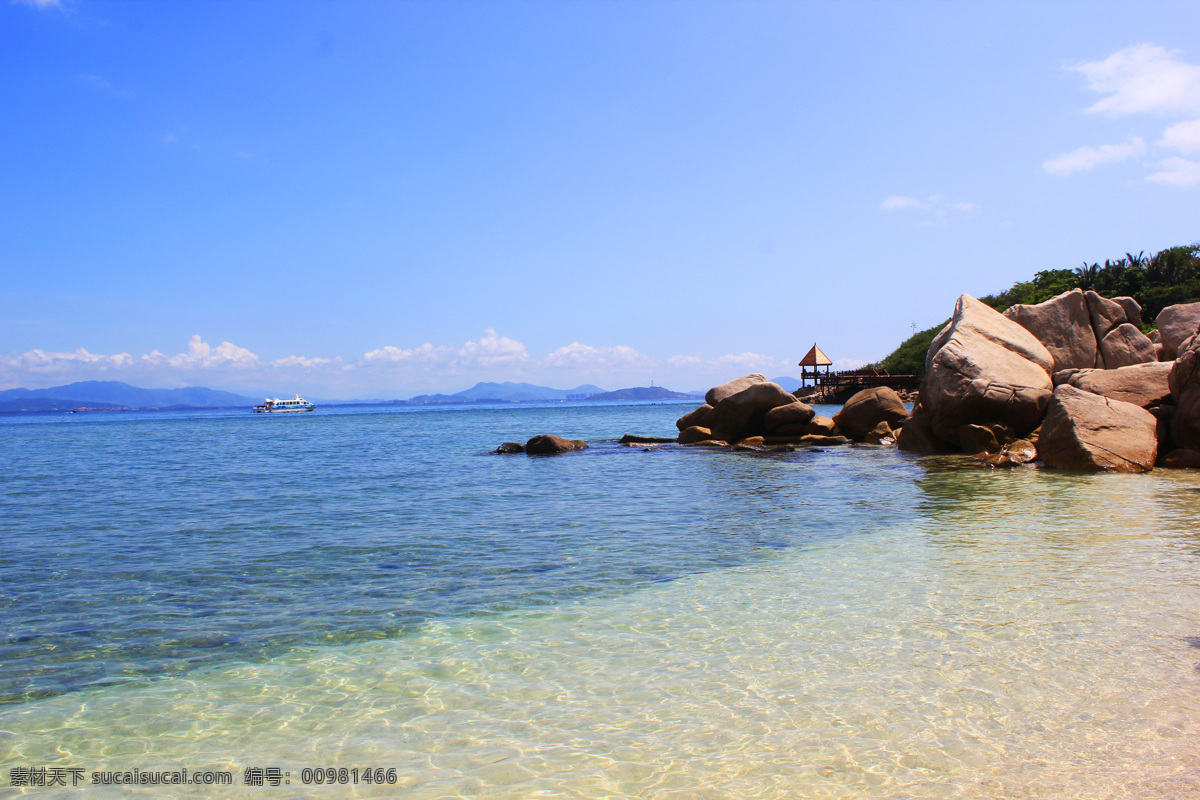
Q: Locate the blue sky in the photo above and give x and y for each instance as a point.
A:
(384, 199)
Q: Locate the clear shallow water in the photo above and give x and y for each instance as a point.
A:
(616, 623)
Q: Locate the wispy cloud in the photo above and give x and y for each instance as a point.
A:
(103, 85)
(935, 209)
(1145, 80)
(1177, 172)
(1086, 157)
(390, 370)
(38, 3)
(1142, 79)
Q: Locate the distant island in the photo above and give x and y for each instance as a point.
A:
(118, 396)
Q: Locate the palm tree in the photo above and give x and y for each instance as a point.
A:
(1086, 275)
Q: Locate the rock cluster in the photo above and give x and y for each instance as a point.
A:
(1074, 377)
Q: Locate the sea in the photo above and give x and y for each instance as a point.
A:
(364, 602)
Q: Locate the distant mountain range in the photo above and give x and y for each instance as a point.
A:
(507, 392)
(642, 393)
(114, 394)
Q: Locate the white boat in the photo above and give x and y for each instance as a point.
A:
(273, 405)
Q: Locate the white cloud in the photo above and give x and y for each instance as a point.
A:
(1177, 172)
(1083, 158)
(1182, 136)
(38, 3)
(897, 202)
(1143, 79)
(596, 359)
(934, 208)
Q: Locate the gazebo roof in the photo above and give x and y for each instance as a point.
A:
(815, 358)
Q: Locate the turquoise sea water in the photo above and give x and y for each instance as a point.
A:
(369, 587)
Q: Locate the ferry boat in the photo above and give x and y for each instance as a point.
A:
(273, 405)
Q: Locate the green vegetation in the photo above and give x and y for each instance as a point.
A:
(1168, 277)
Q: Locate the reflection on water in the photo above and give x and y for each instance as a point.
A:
(1024, 634)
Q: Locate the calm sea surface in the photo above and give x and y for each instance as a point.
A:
(370, 588)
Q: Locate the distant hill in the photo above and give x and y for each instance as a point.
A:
(33, 404)
(507, 392)
(114, 394)
(788, 384)
(642, 393)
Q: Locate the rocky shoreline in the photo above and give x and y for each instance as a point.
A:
(1071, 383)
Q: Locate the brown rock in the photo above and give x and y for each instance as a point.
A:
(702, 416)
(551, 445)
(1163, 416)
(1155, 336)
(917, 434)
(1124, 346)
(1143, 385)
(694, 434)
(791, 430)
(1184, 380)
(1176, 323)
(1022, 451)
(1182, 459)
(1084, 431)
(978, 439)
(509, 448)
(821, 426)
(868, 408)
(719, 393)
(880, 433)
(823, 440)
(1105, 314)
(1132, 309)
(1064, 325)
(752, 441)
(743, 414)
(988, 369)
(632, 438)
(776, 440)
(797, 413)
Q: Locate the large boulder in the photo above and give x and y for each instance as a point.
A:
(1106, 314)
(702, 416)
(1124, 346)
(867, 409)
(1184, 380)
(798, 414)
(822, 426)
(917, 434)
(1176, 323)
(1084, 431)
(694, 434)
(986, 368)
(1133, 309)
(550, 445)
(1143, 385)
(719, 393)
(743, 414)
(1064, 325)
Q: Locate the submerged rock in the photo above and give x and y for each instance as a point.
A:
(549, 445)
(631, 438)
(1084, 431)
(1182, 459)
(509, 448)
